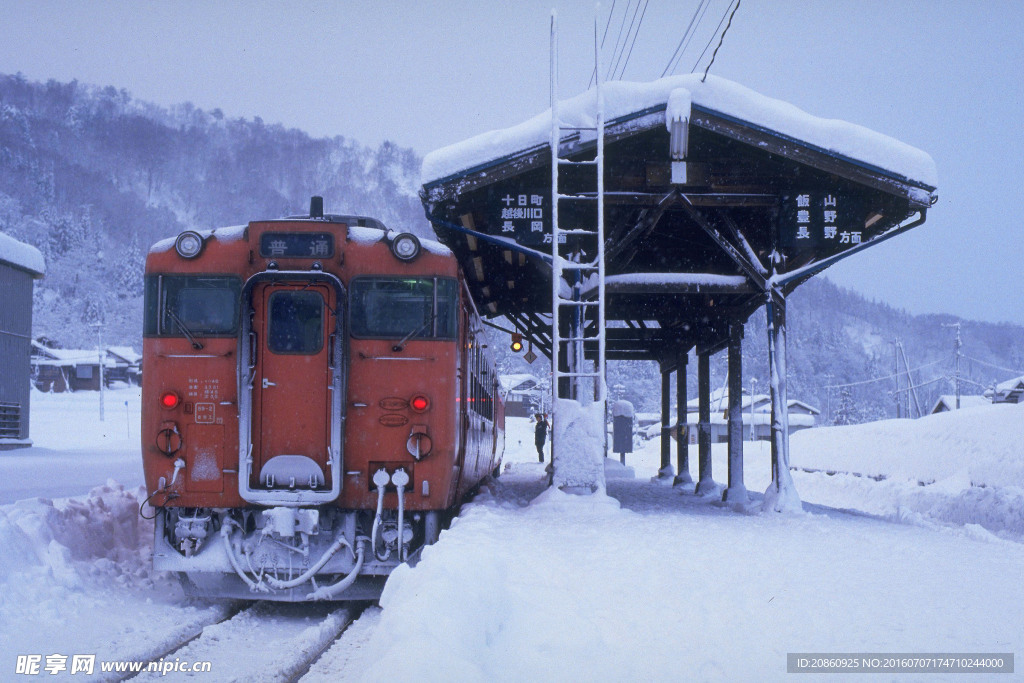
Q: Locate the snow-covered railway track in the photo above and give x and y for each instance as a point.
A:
(265, 641)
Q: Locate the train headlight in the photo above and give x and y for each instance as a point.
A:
(189, 244)
(405, 246)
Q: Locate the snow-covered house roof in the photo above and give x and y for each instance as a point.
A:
(947, 403)
(22, 256)
(45, 355)
(676, 96)
(125, 353)
(1009, 391)
(518, 382)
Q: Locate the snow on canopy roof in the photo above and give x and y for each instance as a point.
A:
(697, 279)
(717, 95)
(21, 255)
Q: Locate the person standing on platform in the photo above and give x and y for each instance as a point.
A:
(540, 434)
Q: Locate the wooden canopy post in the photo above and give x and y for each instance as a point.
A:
(736, 492)
(705, 481)
(665, 473)
(682, 435)
(781, 494)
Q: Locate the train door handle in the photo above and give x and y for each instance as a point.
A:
(268, 383)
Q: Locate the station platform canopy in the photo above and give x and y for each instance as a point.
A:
(716, 198)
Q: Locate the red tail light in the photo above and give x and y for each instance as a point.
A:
(169, 400)
(419, 403)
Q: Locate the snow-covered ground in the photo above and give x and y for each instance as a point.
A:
(72, 450)
(649, 583)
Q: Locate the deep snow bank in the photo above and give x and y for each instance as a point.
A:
(96, 535)
(984, 446)
(76, 577)
(963, 468)
(674, 586)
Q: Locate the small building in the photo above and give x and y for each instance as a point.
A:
(523, 393)
(57, 370)
(948, 403)
(1009, 391)
(126, 365)
(757, 417)
(20, 266)
(757, 424)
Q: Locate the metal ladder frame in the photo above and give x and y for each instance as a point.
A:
(580, 311)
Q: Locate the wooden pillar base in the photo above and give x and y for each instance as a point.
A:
(736, 492)
(665, 472)
(705, 482)
(683, 437)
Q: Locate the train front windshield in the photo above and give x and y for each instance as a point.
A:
(395, 308)
(201, 304)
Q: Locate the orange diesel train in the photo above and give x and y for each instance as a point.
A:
(316, 402)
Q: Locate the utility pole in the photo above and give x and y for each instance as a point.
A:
(100, 359)
(956, 348)
(896, 375)
(828, 399)
(753, 390)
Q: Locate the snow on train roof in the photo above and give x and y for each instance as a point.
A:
(357, 234)
(361, 235)
(718, 95)
(21, 255)
(229, 234)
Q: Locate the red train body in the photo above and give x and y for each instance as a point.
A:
(315, 403)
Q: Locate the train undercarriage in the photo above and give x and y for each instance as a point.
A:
(289, 554)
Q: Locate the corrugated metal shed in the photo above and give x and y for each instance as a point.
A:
(20, 264)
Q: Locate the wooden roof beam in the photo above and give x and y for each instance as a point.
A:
(752, 272)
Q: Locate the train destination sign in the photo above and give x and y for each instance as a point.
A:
(822, 221)
(296, 245)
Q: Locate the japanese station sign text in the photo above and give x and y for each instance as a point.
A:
(524, 216)
(822, 221)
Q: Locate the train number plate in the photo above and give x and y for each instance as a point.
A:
(205, 413)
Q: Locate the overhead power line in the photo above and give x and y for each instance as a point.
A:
(607, 25)
(629, 31)
(704, 52)
(720, 41)
(995, 367)
(882, 379)
(683, 39)
(703, 9)
(622, 25)
(635, 34)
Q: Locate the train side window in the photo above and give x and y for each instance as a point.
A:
(296, 322)
(204, 305)
(393, 308)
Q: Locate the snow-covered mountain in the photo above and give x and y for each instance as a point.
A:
(92, 177)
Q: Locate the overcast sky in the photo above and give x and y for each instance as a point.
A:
(944, 76)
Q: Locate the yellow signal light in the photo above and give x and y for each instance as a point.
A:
(517, 343)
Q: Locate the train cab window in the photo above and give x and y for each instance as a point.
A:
(394, 308)
(296, 322)
(183, 305)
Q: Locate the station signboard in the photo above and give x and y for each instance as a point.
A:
(524, 215)
(824, 222)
